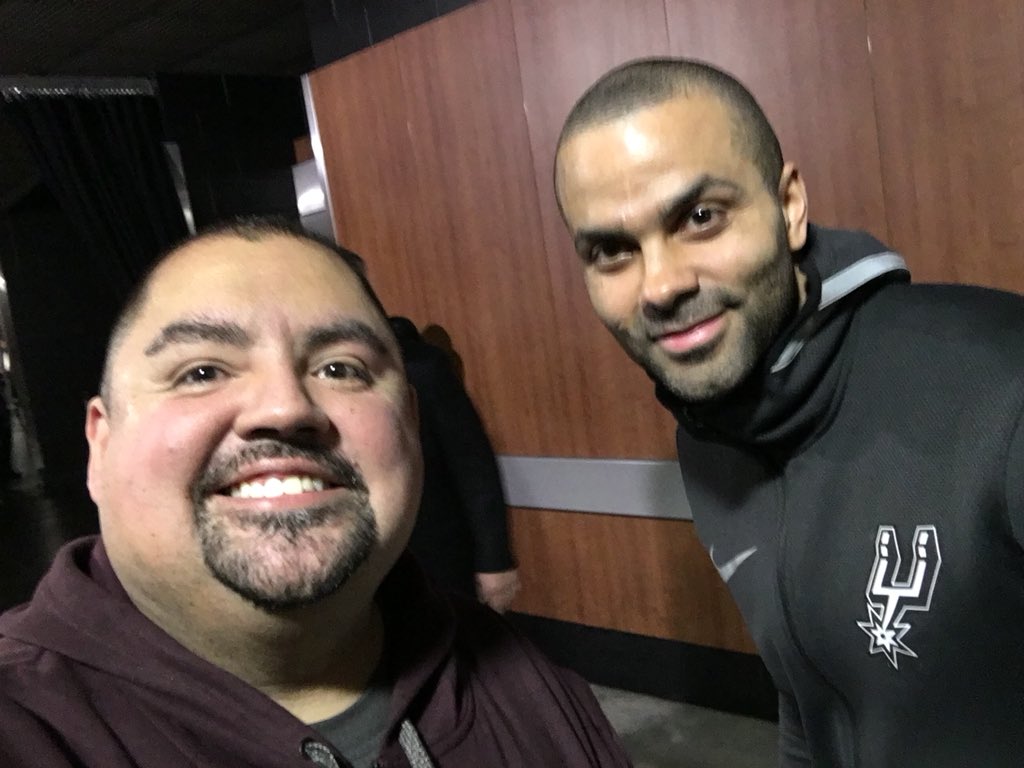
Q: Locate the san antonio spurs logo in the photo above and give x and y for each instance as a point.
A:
(889, 598)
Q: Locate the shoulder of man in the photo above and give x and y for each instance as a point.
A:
(958, 310)
(547, 713)
(37, 696)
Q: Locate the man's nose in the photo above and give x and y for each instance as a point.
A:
(670, 276)
(279, 404)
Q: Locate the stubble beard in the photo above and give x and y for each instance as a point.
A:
(284, 559)
(712, 371)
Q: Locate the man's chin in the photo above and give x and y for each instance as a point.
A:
(283, 588)
(693, 380)
(279, 567)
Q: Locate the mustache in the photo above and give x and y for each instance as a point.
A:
(685, 312)
(336, 469)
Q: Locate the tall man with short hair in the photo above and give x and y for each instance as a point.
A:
(255, 459)
(852, 445)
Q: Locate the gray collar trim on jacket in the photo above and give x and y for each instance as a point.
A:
(408, 738)
(413, 747)
(834, 288)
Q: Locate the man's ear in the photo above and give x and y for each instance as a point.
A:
(793, 200)
(97, 433)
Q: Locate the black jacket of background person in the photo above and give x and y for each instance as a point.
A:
(462, 527)
(863, 496)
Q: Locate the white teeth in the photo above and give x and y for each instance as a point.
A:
(276, 486)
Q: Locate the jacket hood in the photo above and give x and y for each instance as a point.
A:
(74, 608)
(81, 611)
(786, 399)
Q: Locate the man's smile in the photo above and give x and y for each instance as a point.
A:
(271, 487)
(689, 338)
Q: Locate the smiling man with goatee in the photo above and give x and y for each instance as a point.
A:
(254, 456)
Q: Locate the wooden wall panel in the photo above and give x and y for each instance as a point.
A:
(429, 169)
(563, 47)
(647, 576)
(806, 62)
(488, 287)
(949, 91)
(439, 146)
(370, 175)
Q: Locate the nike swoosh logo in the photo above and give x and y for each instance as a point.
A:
(728, 570)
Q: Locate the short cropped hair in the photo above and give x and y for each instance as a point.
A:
(251, 228)
(644, 83)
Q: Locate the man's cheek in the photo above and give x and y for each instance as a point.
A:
(613, 301)
(169, 449)
(385, 445)
(388, 437)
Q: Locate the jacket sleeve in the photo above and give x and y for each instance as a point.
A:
(26, 742)
(793, 749)
(606, 747)
(552, 710)
(471, 463)
(1015, 481)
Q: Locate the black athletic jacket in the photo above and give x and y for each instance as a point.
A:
(863, 496)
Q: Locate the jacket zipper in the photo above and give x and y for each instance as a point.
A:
(787, 622)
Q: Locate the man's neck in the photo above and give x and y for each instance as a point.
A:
(338, 679)
(314, 661)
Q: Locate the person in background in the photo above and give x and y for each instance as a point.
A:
(461, 532)
(254, 456)
(852, 445)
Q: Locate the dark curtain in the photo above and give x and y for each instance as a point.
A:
(103, 161)
(75, 248)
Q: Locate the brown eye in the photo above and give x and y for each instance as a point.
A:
(609, 254)
(344, 371)
(200, 374)
(704, 216)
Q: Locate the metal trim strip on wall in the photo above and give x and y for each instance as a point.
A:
(318, 148)
(18, 86)
(633, 487)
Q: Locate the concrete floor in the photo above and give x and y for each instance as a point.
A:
(667, 734)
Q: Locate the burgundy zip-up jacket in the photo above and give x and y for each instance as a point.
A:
(87, 681)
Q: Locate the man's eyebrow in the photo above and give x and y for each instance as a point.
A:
(667, 214)
(345, 330)
(585, 238)
(685, 200)
(192, 330)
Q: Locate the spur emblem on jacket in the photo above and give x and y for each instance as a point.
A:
(889, 598)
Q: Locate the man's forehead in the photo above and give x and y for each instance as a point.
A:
(226, 255)
(249, 281)
(690, 124)
(650, 155)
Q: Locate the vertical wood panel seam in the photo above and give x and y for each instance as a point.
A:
(548, 255)
(877, 122)
(668, 29)
(418, 176)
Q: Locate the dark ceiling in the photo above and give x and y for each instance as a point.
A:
(146, 37)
